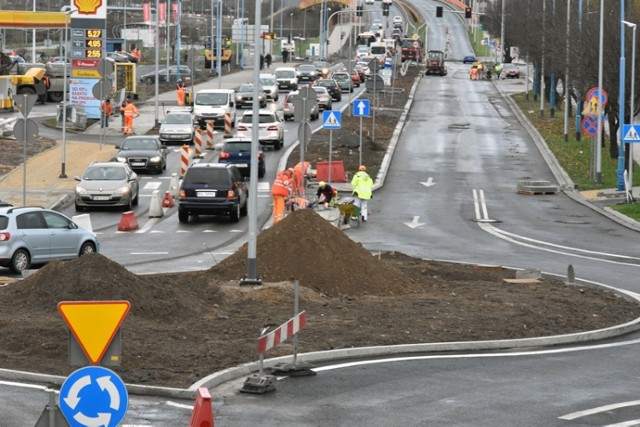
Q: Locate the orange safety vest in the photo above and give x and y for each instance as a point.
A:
(281, 186)
(130, 110)
(106, 108)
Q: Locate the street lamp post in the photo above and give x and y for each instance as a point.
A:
(598, 149)
(291, 26)
(632, 106)
(620, 181)
(63, 172)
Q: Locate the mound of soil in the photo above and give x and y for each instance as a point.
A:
(182, 327)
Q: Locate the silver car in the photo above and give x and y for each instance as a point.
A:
(31, 235)
(271, 129)
(270, 86)
(107, 184)
(178, 127)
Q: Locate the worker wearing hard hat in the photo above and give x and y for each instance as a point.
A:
(326, 194)
(362, 186)
(280, 190)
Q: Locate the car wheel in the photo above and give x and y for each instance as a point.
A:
(234, 214)
(136, 199)
(20, 261)
(279, 144)
(87, 248)
(245, 209)
(351, 89)
(79, 208)
(261, 171)
(183, 216)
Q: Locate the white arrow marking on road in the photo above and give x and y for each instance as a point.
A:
(414, 223)
(429, 182)
(72, 400)
(360, 108)
(101, 420)
(106, 384)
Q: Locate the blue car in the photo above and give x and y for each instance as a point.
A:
(237, 152)
(469, 59)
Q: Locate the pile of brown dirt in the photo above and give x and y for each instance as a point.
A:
(306, 247)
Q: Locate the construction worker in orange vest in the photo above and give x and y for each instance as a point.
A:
(180, 87)
(130, 111)
(300, 171)
(106, 111)
(280, 190)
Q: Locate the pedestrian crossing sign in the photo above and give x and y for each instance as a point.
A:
(331, 119)
(631, 133)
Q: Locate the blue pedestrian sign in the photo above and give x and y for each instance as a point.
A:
(93, 396)
(631, 133)
(362, 107)
(331, 119)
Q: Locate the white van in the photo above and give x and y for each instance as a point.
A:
(213, 104)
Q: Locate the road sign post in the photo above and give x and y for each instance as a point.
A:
(25, 130)
(331, 120)
(309, 98)
(362, 108)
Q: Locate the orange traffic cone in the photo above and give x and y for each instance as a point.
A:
(168, 201)
(202, 415)
(128, 222)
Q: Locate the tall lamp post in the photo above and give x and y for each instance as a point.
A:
(632, 107)
(63, 172)
(620, 181)
(291, 26)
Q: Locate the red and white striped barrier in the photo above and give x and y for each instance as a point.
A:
(185, 159)
(209, 137)
(284, 332)
(197, 143)
(228, 132)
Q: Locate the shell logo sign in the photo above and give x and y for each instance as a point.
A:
(87, 7)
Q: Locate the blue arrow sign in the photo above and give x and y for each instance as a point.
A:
(331, 119)
(93, 396)
(631, 133)
(362, 107)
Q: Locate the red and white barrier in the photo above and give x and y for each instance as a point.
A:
(197, 143)
(209, 136)
(185, 159)
(228, 132)
(284, 332)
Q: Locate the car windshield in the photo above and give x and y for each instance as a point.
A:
(341, 77)
(238, 146)
(268, 81)
(139, 144)
(262, 118)
(105, 173)
(320, 90)
(306, 68)
(407, 43)
(326, 83)
(206, 176)
(211, 98)
(285, 74)
(178, 119)
(245, 88)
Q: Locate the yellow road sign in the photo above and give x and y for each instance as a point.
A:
(94, 324)
(415, 37)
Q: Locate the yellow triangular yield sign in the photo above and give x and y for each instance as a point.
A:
(94, 324)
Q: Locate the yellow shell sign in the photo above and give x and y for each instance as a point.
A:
(87, 7)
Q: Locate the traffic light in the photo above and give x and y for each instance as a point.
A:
(467, 12)
(438, 11)
(359, 10)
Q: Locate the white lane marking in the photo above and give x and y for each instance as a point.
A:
(480, 205)
(475, 355)
(414, 222)
(236, 231)
(148, 253)
(625, 424)
(153, 185)
(179, 405)
(147, 225)
(263, 186)
(156, 231)
(154, 177)
(600, 409)
(183, 231)
(428, 183)
(22, 385)
(210, 231)
(498, 233)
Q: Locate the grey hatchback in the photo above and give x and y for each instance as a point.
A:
(107, 184)
(32, 235)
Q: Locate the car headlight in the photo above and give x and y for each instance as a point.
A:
(121, 159)
(81, 190)
(123, 190)
(155, 159)
(238, 98)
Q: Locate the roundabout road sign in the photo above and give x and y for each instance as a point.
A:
(93, 396)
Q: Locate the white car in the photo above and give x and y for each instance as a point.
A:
(368, 1)
(397, 19)
(270, 124)
(377, 24)
(270, 86)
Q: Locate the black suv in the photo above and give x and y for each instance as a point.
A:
(213, 189)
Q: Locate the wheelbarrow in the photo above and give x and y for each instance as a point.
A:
(348, 211)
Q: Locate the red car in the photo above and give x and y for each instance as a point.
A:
(355, 78)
